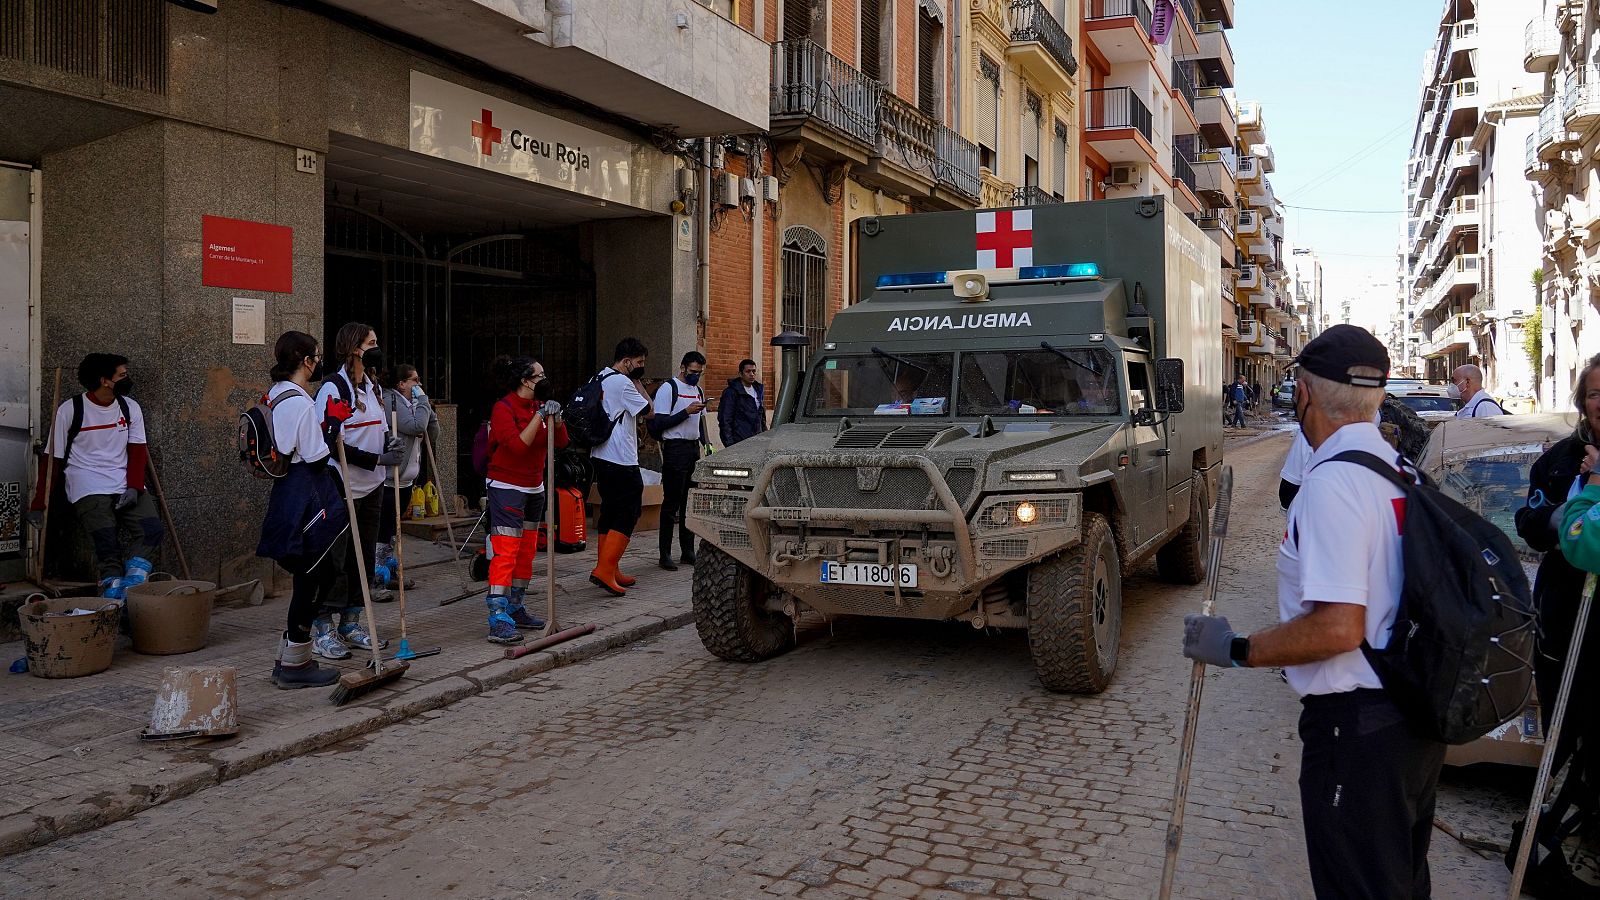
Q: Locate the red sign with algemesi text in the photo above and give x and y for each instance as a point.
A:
(251, 256)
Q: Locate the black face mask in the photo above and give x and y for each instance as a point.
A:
(316, 371)
(372, 360)
(636, 373)
(542, 390)
(122, 388)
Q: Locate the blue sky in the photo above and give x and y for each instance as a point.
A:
(1338, 83)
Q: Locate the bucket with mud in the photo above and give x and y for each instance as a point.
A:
(70, 637)
(195, 701)
(171, 616)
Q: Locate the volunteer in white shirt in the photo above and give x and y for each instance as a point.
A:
(369, 449)
(616, 462)
(679, 424)
(1293, 472)
(1467, 381)
(98, 448)
(1367, 782)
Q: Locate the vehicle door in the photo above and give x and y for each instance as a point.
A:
(1148, 456)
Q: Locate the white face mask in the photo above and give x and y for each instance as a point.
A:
(1453, 392)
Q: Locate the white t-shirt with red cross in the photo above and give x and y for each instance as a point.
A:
(1343, 546)
(99, 460)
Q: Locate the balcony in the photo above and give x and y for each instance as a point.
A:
(1218, 122)
(1249, 278)
(1033, 195)
(1462, 213)
(1465, 104)
(1462, 156)
(1580, 102)
(1263, 346)
(1532, 165)
(1249, 223)
(1454, 333)
(1040, 46)
(1273, 225)
(1119, 125)
(957, 166)
(1119, 29)
(1214, 178)
(1250, 331)
(1184, 120)
(1215, 53)
(1249, 171)
(818, 91)
(1258, 192)
(1183, 184)
(1219, 227)
(654, 71)
(1553, 134)
(1541, 45)
(920, 158)
(1218, 11)
(1464, 36)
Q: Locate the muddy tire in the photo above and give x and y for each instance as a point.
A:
(1183, 559)
(1075, 612)
(728, 611)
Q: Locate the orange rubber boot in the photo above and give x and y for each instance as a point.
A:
(605, 570)
(622, 547)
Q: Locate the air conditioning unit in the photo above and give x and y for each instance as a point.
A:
(1124, 176)
(725, 189)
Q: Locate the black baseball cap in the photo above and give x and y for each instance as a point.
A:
(1334, 352)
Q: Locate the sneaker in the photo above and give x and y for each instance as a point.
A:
(502, 628)
(667, 563)
(524, 619)
(327, 645)
(356, 636)
(289, 678)
(381, 594)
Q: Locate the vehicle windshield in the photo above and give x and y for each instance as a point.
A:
(1059, 382)
(1425, 403)
(882, 384)
(1493, 484)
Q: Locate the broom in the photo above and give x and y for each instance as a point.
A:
(358, 683)
(405, 651)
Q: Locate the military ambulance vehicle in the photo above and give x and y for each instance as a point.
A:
(995, 434)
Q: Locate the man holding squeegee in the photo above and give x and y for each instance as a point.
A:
(1367, 781)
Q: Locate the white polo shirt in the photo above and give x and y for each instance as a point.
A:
(1480, 406)
(621, 397)
(1342, 545)
(296, 424)
(1294, 465)
(99, 460)
(689, 428)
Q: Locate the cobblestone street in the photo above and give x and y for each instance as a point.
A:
(875, 760)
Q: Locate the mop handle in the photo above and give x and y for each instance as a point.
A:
(399, 542)
(551, 499)
(361, 564)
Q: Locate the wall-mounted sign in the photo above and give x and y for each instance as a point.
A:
(305, 161)
(249, 320)
(470, 127)
(250, 256)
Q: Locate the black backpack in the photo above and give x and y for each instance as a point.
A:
(588, 426)
(258, 444)
(1460, 658)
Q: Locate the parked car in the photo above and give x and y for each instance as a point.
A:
(1484, 464)
(1283, 397)
(1431, 402)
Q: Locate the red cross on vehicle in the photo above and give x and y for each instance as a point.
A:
(1005, 239)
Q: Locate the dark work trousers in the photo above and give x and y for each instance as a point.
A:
(312, 591)
(388, 524)
(369, 510)
(1367, 786)
(1575, 804)
(678, 456)
(1237, 421)
(621, 496)
(118, 535)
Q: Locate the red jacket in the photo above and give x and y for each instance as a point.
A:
(510, 460)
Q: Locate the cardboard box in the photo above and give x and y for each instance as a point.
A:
(649, 516)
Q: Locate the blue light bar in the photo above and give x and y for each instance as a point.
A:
(911, 279)
(1071, 270)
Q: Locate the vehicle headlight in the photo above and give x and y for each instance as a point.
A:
(730, 473)
(1026, 512)
(1033, 476)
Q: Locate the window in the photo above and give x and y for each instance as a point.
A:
(872, 46)
(928, 57)
(805, 284)
(988, 115)
(882, 384)
(1060, 382)
(802, 20)
(1031, 110)
(1061, 160)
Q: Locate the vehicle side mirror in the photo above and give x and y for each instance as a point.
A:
(1169, 385)
(1145, 417)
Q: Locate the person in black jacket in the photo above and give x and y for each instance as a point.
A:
(742, 412)
(1553, 480)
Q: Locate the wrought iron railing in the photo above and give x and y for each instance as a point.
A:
(1117, 107)
(958, 164)
(1031, 21)
(1032, 195)
(1116, 9)
(809, 81)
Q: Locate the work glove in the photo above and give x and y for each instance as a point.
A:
(1208, 639)
(129, 497)
(550, 409)
(394, 452)
(337, 411)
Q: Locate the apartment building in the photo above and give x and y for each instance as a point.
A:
(1270, 332)
(1559, 45)
(1469, 244)
(1306, 290)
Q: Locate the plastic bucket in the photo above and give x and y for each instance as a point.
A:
(62, 646)
(167, 617)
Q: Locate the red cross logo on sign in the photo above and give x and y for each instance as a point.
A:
(486, 133)
(1005, 239)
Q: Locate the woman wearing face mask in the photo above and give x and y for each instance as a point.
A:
(516, 492)
(306, 528)
(403, 399)
(368, 447)
(1556, 478)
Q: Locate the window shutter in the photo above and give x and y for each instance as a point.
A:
(1030, 125)
(1061, 159)
(798, 18)
(927, 56)
(872, 39)
(988, 102)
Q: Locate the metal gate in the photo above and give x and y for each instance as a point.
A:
(805, 285)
